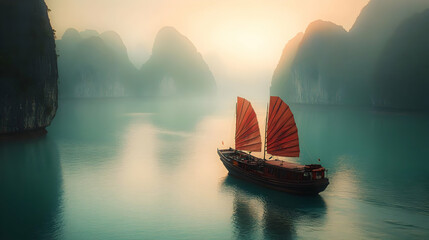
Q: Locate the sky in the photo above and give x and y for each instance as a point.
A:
(241, 40)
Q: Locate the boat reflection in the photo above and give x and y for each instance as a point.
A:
(30, 186)
(275, 213)
(245, 219)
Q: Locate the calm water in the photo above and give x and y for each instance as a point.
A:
(136, 169)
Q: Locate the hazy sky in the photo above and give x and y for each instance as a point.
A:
(240, 39)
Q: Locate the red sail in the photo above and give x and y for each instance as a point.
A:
(282, 133)
(247, 135)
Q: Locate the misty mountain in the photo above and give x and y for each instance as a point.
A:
(94, 65)
(176, 68)
(402, 71)
(309, 65)
(28, 67)
(332, 66)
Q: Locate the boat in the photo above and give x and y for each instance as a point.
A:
(281, 140)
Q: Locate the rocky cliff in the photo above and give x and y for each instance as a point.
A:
(176, 68)
(332, 66)
(28, 66)
(402, 71)
(94, 65)
(312, 75)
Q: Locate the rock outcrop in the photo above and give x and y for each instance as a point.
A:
(312, 75)
(402, 71)
(332, 66)
(94, 65)
(28, 67)
(176, 68)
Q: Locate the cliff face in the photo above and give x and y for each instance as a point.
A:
(311, 75)
(402, 71)
(369, 36)
(94, 65)
(28, 66)
(332, 66)
(176, 68)
(286, 60)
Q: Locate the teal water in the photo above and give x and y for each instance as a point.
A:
(139, 169)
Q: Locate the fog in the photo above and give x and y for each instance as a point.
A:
(241, 41)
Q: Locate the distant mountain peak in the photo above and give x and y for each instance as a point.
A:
(171, 41)
(175, 62)
(89, 33)
(385, 15)
(112, 36)
(71, 34)
(320, 27)
(94, 65)
(114, 41)
(168, 29)
(359, 67)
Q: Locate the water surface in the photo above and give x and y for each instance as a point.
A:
(140, 169)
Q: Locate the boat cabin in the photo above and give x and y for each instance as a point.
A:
(293, 171)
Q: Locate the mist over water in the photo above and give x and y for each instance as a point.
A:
(131, 148)
(145, 168)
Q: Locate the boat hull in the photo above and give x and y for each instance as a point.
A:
(307, 187)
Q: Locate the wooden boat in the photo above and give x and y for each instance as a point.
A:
(281, 139)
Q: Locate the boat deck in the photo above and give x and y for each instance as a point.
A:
(284, 164)
(249, 159)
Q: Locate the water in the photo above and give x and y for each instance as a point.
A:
(139, 169)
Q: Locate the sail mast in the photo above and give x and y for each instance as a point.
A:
(266, 123)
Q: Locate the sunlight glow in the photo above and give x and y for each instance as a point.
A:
(245, 36)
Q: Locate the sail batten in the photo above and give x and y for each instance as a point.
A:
(240, 113)
(282, 133)
(288, 133)
(247, 134)
(248, 137)
(250, 141)
(248, 128)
